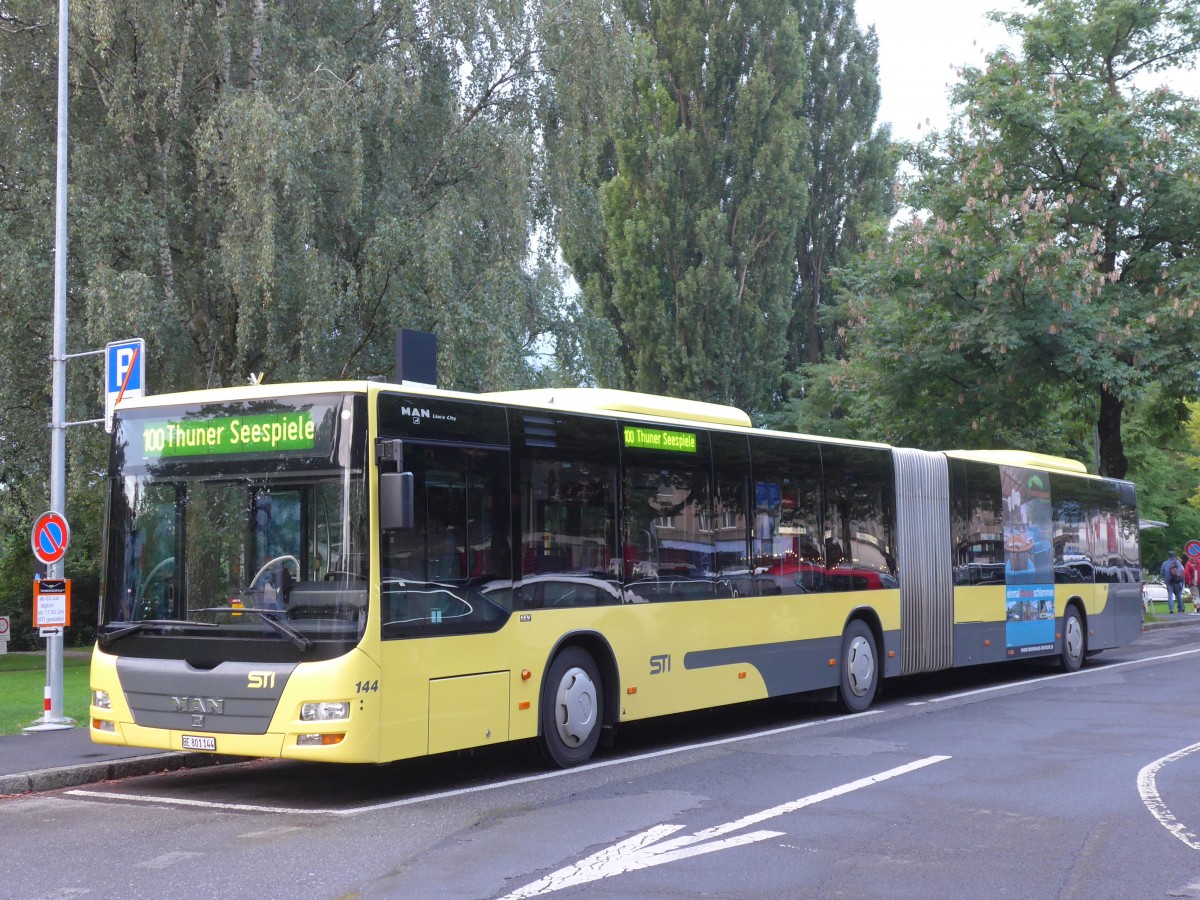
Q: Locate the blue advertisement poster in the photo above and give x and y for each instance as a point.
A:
(1028, 559)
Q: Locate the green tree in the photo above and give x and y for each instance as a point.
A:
(1052, 274)
(280, 187)
(703, 186)
(1165, 460)
(276, 188)
(852, 164)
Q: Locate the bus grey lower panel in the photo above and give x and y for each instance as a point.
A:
(787, 667)
(925, 561)
(233, 698)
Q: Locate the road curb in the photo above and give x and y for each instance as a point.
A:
(109, 770)
(1183, 620)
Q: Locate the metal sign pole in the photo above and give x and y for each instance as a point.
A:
(53, 716)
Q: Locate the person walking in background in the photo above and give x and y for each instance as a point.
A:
(1171, 572)
(1191, 577)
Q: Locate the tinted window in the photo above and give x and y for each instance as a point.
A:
(731, 462)
(669, 538)
(859, 518)
(452, 572)
(1114, 532)
(1130, 535)
(977, 523)
(788, 543)
(1071, 498)
(567, 489)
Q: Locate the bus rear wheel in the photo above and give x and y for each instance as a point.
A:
(571, 708)
(859, 669)
(1074, 638)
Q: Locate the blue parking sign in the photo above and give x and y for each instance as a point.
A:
(124, 374)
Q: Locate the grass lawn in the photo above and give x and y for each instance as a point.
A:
(23, 690)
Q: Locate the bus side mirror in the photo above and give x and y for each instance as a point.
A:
(396, 501)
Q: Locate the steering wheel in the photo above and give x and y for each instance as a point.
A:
(272, 562)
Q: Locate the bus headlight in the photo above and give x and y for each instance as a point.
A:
(324, 712)
(100, 700)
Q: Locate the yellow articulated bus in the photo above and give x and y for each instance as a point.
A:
(363, 572)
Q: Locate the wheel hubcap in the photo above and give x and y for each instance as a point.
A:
(1074, 638)
(860, 666)
(575, 707)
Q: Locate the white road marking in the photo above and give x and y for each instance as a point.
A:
(649, 849)
(1147, 782)
(167, 860)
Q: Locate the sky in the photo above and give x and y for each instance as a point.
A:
(923, 42)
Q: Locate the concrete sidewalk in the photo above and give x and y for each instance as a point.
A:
(47, 760)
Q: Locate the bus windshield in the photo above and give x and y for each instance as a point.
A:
(243, 520)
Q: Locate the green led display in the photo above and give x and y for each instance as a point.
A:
(657, 439)
(267, 433)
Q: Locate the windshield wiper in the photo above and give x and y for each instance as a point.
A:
(107, 640)
(268, 616)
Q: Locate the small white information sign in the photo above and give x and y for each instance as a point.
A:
(52, 603)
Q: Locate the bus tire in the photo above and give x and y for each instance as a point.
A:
(1074, 639)
(571, 708)
(859, 669)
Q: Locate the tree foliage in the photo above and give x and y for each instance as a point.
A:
(852, 165)
(284, 185)
(1165, 456)
(1050, 275)
(745, 166)
(700, 200)
(276, 187)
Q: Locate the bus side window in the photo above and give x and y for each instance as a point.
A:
(567, 484)
(731, 523)
(669, 551)
(787, 551)
(860, 518)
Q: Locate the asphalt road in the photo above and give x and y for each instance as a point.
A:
(985, 783)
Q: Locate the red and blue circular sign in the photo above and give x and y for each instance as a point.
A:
(51, 537)
(1192, 549)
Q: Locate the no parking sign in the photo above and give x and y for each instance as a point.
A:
(1192, 549)
(50, 538)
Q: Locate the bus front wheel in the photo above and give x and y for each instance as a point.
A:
(571, 709)
(860, 668)
(1074, 638)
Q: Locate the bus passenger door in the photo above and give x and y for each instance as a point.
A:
(445, 584)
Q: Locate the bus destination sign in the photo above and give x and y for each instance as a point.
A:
(657, 439)
(264, 433)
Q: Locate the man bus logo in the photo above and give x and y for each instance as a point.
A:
(415, 412)
(202, 705)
